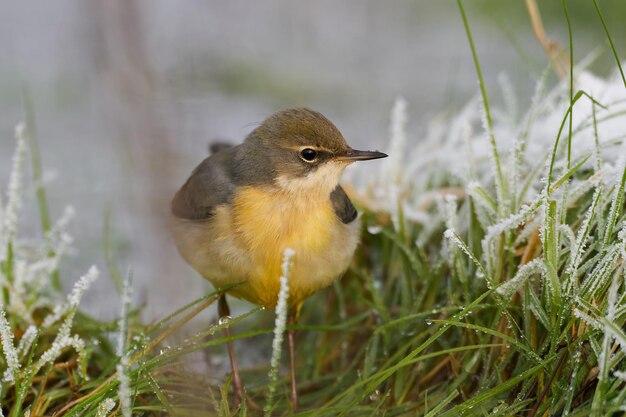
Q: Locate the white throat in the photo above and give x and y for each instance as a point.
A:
(321, 181)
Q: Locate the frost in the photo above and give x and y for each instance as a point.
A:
(513, 221)
(391, 180)
(123, 390)
(620, 374)
(524, 272)
(583, 234)
(27, 340)
(450, 207)
(105, 407)
(82, 285)
(58, 312)
(455, 149)
(10, 353)
(600, 275)
(123, 366)
(63, 338)
(588, 319)
(58, 346)
(622, 237)
(14, 191)
(282, 308)
(123, 321)
(391, 167)
(617, 201)
(480, 197)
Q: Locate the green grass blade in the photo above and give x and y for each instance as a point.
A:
(442, 404)
(569, 174)
(500, 192)
(379, 377)
(571, 83)
(608, 36)
(468, 405)
(617, 206)
(40, 191)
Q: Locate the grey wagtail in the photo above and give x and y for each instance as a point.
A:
(244, 205)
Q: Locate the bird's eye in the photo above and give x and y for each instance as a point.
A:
(308, 154)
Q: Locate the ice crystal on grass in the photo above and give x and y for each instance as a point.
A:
(57, 312)
(46, 342)
(620, 374)
(452, 236)
(513, 221)
(622, 237)
(64, 339)
(282, 308)
(599, 276)
(524, 272)
(509, 225)
(58, 240)
(60, 344)
(588, 319)
(123, 366)
(450, 210)
(73, 299)
(8, 348)
(81, 286)
(442, 152)
(392, 166)
(27, 340)
(14, 191)
(617, 202)
(27, 268)
(105, 407)
(123, 390)
(583, 234)
(390, 184)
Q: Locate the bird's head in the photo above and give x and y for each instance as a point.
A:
(304, 150)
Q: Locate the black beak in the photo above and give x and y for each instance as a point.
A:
(355, 155)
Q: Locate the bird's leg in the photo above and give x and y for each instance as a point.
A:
(224, 311)
(293, 318)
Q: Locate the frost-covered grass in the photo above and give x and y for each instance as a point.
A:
(490, 280)
(279, 330)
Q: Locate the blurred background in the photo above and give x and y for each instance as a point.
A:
(128, 94)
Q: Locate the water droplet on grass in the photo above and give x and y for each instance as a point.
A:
(223, 320)
(374, 230)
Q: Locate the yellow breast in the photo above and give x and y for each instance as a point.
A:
(266, 222)
(244, 242)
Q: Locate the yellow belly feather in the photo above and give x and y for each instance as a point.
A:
(244, 243)
(266, 223)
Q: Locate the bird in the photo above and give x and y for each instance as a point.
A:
(244, 205)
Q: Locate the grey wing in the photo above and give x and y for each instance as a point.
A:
(342, 205)
(209, 185)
